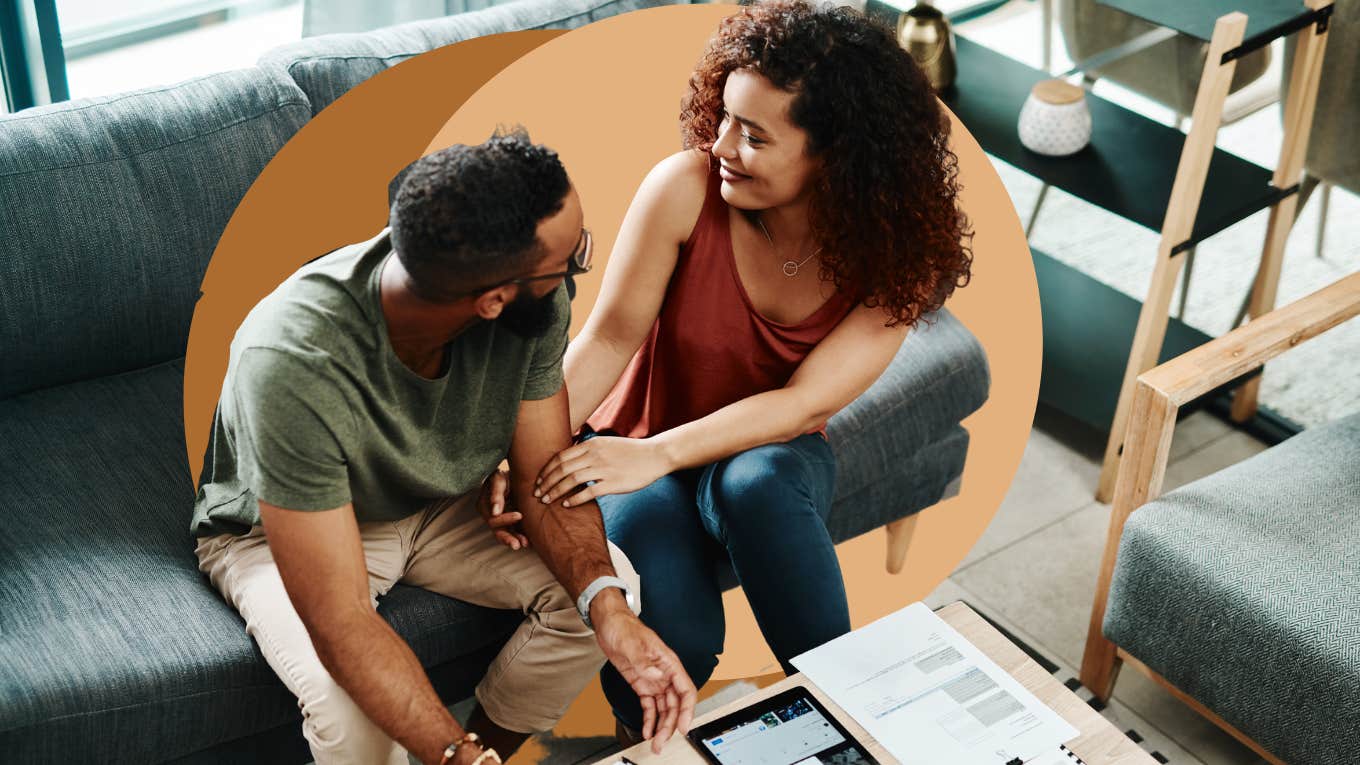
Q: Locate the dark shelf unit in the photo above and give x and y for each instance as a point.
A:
(1129, 166)
(1087, 336)
(1128, 169)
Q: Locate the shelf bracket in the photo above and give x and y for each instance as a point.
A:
(1320, 17)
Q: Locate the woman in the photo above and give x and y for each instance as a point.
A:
(762, 279)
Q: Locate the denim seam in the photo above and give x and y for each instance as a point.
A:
(152, 149)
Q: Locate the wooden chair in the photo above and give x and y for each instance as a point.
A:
(1188, 599)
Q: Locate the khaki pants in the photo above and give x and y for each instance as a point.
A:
(447, 549)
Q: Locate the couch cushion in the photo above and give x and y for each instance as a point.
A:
(108, 631)
(1243, 590)
(326, 67)
(112, 209)
(939, 377)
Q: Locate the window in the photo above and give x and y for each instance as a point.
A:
(107, 47)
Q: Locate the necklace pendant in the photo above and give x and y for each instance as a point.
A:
(790, 268)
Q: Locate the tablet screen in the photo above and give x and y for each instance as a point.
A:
(793, 733)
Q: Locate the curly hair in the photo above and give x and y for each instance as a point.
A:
(884, 209)
(468, 215)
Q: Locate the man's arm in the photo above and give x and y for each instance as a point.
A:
(571, 542)
(321, 560)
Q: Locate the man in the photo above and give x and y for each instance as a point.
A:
(365, 403)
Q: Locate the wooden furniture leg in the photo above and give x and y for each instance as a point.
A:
(1298, 125)
(899, 538)
(1177, 226)
(1140, 480)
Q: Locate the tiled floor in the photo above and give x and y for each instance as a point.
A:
(1014, 576)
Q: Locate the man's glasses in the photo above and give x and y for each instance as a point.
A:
(579, 263)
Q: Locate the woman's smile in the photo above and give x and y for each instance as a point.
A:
(732, 176)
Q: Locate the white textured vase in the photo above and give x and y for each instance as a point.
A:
(1054, 120)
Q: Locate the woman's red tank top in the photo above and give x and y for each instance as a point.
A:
(709, 346)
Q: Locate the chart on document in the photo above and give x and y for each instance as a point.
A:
(929, 696)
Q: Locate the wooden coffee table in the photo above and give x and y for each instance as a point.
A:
(1099, 742)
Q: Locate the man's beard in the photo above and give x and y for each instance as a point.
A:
(530, 317)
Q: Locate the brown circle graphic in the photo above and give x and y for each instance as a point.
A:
(606, 97)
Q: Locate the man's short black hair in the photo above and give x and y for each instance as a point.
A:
(467, 216)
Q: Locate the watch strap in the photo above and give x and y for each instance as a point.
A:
(595, 588)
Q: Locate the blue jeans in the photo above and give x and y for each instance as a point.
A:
(764, 510)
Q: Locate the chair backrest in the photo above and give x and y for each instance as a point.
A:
(113, 207)
(1168, 72)
(1333, 150)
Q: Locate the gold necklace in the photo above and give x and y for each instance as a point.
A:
(790, 267)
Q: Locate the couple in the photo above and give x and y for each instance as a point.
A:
(762, 279)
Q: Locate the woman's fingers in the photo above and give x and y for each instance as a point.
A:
(558, 468)
(566, 455)
(570, 480)
(587, 493)
(508, 539)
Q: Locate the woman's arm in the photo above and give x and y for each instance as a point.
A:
(837, 371)
(658, 222)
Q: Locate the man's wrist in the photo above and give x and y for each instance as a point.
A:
(608, 604)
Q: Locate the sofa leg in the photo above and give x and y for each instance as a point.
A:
(899, 538)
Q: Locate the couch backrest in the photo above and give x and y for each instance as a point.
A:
(112, 207)
(326, 67)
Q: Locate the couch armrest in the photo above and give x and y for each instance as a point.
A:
(1157, 398)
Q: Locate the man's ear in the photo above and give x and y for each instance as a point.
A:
(489, 304)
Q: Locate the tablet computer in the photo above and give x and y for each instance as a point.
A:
(790, 728)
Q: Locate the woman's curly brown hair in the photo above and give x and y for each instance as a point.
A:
(884, 210)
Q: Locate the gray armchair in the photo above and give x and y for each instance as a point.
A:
(1240, 592)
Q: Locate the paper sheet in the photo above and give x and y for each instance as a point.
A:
(930, 696)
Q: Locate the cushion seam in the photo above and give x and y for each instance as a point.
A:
(20, 116)
(194, 137)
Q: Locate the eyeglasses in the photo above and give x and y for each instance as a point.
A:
(578, 264)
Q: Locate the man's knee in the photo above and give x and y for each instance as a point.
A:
(334, 725)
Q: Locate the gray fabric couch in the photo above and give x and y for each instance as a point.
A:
(113, 647)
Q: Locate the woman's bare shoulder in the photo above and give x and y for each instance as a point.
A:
(675, 189)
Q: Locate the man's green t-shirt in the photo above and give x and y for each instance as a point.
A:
(317, 410)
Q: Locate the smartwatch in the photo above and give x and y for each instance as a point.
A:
(594, 588)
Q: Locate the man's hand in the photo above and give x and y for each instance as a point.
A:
(611, 465)
(491, 503)
(651, 668)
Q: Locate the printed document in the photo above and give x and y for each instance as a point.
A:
(930, 696)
